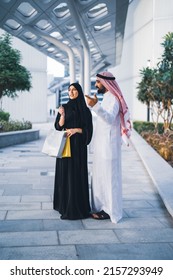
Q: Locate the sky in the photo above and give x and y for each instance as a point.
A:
(55, 68)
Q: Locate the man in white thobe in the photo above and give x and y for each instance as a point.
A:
(112, 124)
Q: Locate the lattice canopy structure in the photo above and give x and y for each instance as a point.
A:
(84, 35)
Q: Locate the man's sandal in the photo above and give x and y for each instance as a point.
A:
(100, 215)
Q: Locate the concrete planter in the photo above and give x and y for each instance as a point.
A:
(159, 170)
(18, 137)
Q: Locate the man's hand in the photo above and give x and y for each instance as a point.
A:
(91, 101)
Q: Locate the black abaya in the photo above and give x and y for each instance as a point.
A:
(71, 191)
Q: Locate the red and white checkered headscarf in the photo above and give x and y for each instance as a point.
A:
(109, 82)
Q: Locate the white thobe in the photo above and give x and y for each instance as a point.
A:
(106, 191)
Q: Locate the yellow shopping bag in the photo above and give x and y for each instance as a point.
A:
(67, 149)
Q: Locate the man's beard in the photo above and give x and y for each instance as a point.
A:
(101, 90)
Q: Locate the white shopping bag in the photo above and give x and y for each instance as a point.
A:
(54, 143)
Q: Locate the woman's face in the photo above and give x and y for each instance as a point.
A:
(73, 92)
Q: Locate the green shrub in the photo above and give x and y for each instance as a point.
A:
(4, 115)
(141, 126)
(6, 126)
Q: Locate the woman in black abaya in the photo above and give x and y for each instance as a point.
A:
(71, 191)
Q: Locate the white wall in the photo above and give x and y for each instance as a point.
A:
(147, 22)
(32, 105)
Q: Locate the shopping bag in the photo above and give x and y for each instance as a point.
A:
(54, 143)
(67, 149)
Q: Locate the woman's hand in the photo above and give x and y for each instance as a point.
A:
(72, 131)
(61, 111)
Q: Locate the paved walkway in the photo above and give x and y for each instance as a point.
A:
(31, 229)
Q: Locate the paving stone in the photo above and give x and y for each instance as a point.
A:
(9, 199)
(47, 205)
(98, 225)
(32, 214)
(29, 192)
(125, 223)
(36, 238)
(21, 225)
(157, 203)
(13, 170)
(124, 214)
(138, 180)
(47, 178)
(1, 191)
(20, 206)
(166, 221)
(145, 235)
(141, 196)
(38, 198)
(21, 179)
(128, 251)
(3, 180)
(2, 215)
(144, 212)
(62, 224)
(43, 186)
(135, 188)
(16, 189)
(134, 192)
(39, 253)
(87, 237)
(136, 204)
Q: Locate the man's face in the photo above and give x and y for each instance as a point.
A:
(100, 87)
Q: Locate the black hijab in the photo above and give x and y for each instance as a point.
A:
(79, 105)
